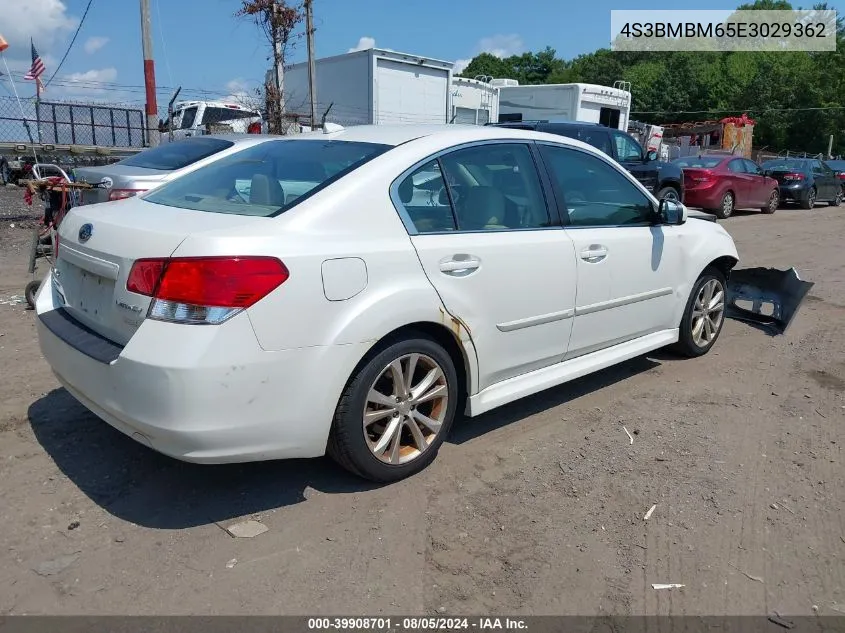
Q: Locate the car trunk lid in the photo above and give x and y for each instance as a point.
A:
(117, 177)
(98, 245)
(786, 176)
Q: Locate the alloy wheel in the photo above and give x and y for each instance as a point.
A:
(774, 200)
(405, 409)
(811, 198)
(727, 205)
(708, 312)
(672, 195)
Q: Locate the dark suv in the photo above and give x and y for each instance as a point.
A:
(664, 180)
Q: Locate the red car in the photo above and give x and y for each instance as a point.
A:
(720, 184)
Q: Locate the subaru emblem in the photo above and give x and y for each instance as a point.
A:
(85, 232)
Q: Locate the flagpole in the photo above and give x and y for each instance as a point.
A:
(20, 105)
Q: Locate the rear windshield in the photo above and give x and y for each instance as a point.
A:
(176, 155)
(266, 179)
(700, 162)
(784, 164)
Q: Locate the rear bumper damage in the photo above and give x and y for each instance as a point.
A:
(766, 296)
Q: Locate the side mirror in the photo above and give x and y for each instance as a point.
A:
(651, 156)
(671, 212)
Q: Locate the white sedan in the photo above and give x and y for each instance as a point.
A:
(355, 291)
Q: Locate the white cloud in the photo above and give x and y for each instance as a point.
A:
(93, 44)
(501, 45)
(363, 44)
(498, 45)
(460, 66)
(240, 93)
(43, 20)
(92, 76)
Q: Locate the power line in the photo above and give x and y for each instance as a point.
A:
(70, 46)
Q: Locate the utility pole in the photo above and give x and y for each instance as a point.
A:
(149, 75)
(278, 56)
(312, 78)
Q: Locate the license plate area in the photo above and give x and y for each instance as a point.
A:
(86, 293)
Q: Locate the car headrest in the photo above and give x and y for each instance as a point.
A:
(481, 207)
(266, 191)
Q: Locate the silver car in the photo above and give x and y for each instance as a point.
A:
(152, 167)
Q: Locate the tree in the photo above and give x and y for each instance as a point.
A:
(279, 22)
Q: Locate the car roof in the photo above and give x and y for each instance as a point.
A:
(395, 135)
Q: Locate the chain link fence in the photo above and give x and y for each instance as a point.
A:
(69, 123)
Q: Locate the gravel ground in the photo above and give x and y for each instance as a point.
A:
(536, 508)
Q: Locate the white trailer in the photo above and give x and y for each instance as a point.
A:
(374, 86)
(474, 102)
(589, 103)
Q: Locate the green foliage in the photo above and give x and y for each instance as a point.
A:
(783, 91)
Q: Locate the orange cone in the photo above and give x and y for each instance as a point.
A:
(3, 44)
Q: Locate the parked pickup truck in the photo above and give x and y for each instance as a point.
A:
(664, 180)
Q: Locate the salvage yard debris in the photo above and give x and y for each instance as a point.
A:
(648, 514)
(674, 585)
(247, 529)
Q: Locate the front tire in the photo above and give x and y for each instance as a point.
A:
(772, 205)
(396, 411)
(837, 201)
(726, 206)
(704, 314)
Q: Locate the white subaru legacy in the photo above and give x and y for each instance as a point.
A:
(355, 291)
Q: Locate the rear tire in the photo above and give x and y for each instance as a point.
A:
(774, 202)
(704, 314)
(810, 201)
(669, 193)
(395, 411)
(30, 291)
(726, 206)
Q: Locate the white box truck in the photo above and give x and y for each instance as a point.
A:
(474, 102)
(374, 86)
(589, 103)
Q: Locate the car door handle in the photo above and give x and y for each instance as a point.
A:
(465, 264)
(594, 254)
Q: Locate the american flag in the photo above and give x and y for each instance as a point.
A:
(37, 69)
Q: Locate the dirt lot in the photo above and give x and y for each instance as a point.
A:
(536, 508)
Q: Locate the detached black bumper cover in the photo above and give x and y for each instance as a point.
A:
(766, 296)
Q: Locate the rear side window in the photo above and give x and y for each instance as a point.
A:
(265, 179)
(176, 155)
(219, 115)
(736, 166)
(598, 139)
(492, 187)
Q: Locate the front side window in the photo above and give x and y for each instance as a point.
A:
(491, 187)
(188, 117)
(595, 193)
(265, 179)
(627, 149)
(751, 167)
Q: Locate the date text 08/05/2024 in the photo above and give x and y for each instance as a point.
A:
(415, 624)
(728, 30)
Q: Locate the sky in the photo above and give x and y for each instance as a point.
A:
(201, 46)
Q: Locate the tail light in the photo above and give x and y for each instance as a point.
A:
(842, 176)
(698, 178)
(204, 290)
(122, 194)
(793, 176)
